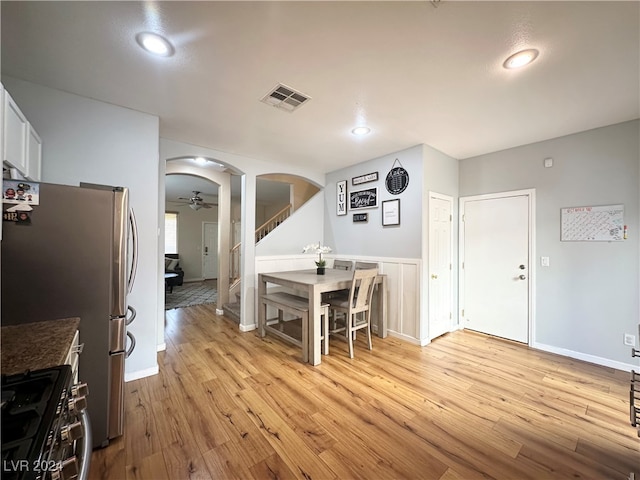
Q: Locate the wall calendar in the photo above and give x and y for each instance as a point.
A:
(603, 223)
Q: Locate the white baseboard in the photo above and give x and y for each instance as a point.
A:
(248, 328)
(161, 347)
(605, 362)
(219, 311)
(149, 372)
(404, 338)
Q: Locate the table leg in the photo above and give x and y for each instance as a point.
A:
(314, 328)
(382, 308)
(262, 308)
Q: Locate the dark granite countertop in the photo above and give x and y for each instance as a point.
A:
(33, 346)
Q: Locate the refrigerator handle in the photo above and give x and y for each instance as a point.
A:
(129, 320)
(133, 344)
(134, 259)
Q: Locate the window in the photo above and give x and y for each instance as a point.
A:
(170, 232)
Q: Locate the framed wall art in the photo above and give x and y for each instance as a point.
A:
(397, 179)
(367, 198)
(341, 197)
(391, 212)
(369, 177)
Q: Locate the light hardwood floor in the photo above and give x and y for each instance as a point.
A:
(229, 405)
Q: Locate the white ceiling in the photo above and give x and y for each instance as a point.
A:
(413, 72)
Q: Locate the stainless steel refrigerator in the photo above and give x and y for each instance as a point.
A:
(75, 256)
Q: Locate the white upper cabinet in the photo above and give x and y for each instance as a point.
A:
(34, 155)
(15, 135)
(21, 144)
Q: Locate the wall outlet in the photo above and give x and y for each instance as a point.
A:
(629, 340)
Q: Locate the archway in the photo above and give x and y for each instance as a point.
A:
(210, 176)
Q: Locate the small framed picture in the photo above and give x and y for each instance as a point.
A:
(391, 212)
(369, 177)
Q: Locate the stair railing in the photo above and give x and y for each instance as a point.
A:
(268, 226)
(261, 232)
(234, 264)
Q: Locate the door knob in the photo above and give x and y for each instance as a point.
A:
(434, 276)
(522, 267)
(522, 277)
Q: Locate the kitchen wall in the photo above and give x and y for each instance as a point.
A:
(89, 141)
(588, 297)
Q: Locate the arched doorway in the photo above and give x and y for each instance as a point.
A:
(201, 190)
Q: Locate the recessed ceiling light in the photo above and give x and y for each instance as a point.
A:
(201, 161)
(521, 58)
(154, 43)
(361, 131)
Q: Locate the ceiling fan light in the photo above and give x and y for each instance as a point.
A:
(521, 58)
(195, 206)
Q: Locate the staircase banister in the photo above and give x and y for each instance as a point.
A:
(281, 212)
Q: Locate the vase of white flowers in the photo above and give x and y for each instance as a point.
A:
(319, 249)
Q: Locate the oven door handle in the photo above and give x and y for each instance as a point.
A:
(84, 452)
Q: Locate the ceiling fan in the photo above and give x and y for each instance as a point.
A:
(196, 202)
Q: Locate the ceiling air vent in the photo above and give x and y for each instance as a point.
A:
(285, 98)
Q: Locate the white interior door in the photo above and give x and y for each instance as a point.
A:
(209, 250)
(495, 237)
(440, 264)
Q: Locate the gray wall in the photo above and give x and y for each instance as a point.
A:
(372, 239)
(588, 297)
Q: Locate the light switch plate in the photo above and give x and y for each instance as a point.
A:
(544, 261)
(548, 162)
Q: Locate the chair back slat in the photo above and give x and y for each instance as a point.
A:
(343, 264)
(365, 265)
(362, 288)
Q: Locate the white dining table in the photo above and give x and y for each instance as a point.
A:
(313, 286)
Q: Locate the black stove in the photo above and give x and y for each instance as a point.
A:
(43, 422)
